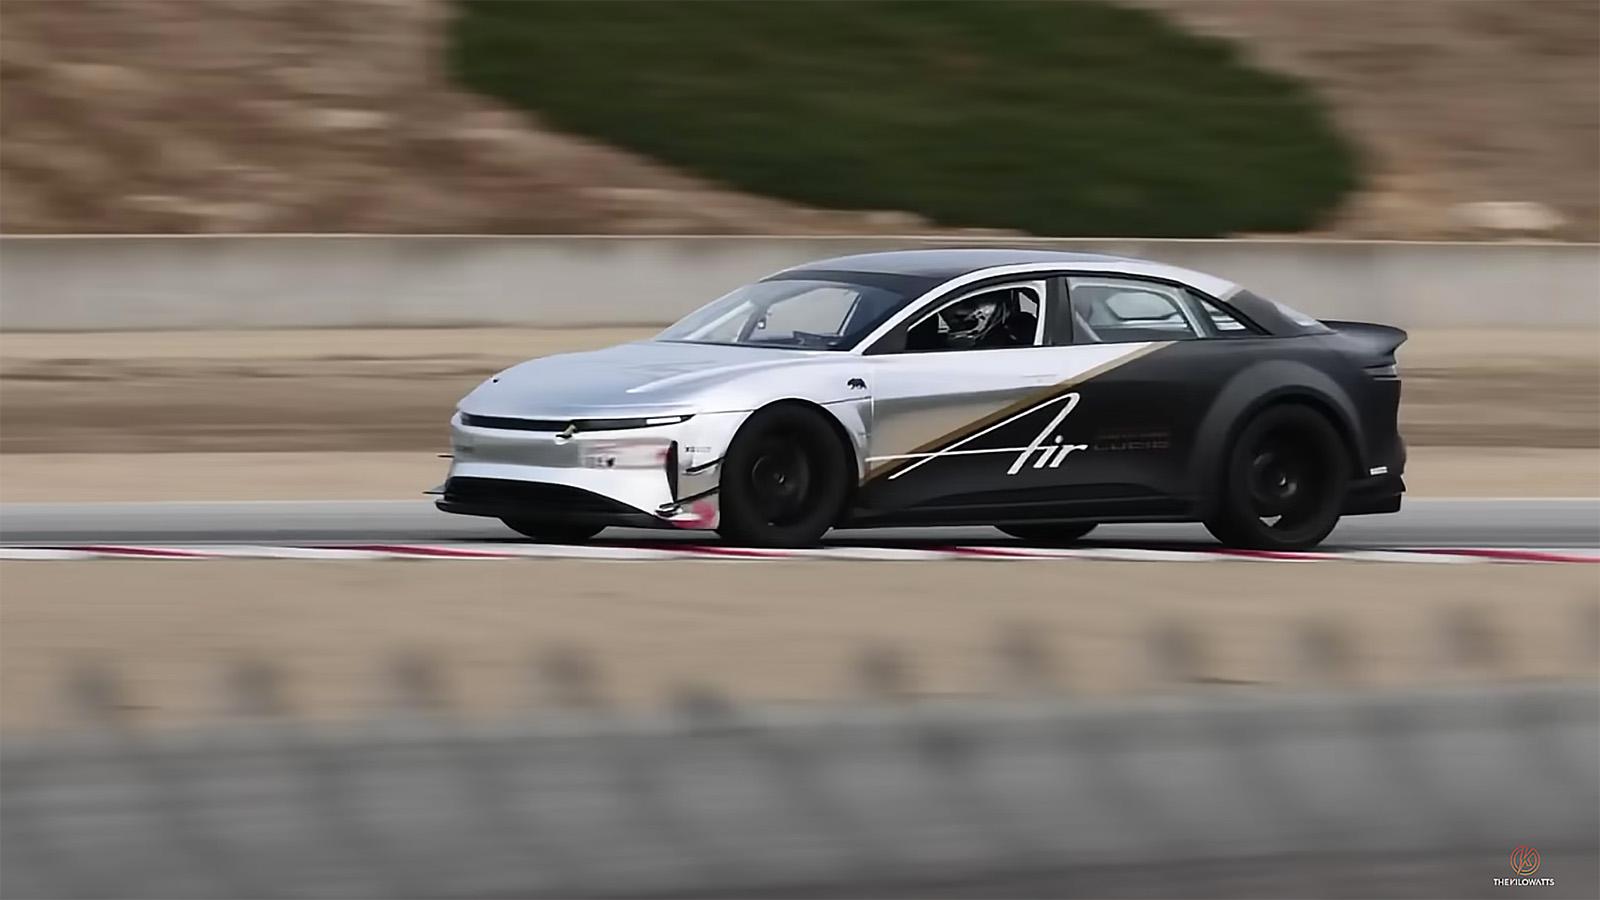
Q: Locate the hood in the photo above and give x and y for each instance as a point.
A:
(648, 376)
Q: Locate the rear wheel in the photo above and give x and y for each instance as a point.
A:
(1048, 532)
(1283, 483)
(784, 479)
(554, 532)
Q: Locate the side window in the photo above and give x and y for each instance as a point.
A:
(1127, 310)
(991, 319)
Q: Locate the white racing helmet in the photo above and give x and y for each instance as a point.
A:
(966, 323)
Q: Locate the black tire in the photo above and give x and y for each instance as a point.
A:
(554, 532)
(785, 479)
(1049, 532)
(1283, 482)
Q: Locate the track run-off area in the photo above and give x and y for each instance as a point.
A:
(1432, 530)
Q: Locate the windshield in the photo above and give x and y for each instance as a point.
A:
(807, 314)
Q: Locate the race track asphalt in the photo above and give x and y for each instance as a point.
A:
(1436, 522)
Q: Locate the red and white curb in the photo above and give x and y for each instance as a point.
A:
(619, 552)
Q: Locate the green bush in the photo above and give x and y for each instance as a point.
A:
(1065, 118)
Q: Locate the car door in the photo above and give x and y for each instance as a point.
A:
(954, 430)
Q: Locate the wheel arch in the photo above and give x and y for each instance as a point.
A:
(844, 432)
(1256, 389)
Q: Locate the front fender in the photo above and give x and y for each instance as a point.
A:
(855, 421)
(707, 437)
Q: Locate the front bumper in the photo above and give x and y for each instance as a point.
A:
(660, 476)
(535, 502)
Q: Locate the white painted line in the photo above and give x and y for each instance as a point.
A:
(579, 551)
(1405, 556)
(1135, 555)
(889, 554)
(43, 553)
(269, 551)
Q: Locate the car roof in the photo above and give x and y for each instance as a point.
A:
(939, 265)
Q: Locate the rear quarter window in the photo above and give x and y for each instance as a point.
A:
(1277, 318)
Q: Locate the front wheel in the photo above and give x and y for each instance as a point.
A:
(1048, 532)
(554, 532)
(1283, 483)
(784, 479)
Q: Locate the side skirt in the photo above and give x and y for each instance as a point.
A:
(1132, 509)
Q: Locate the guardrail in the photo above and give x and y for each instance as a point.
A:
(1207, 790)
(91, 283)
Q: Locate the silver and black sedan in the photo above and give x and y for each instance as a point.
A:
(1040, 392)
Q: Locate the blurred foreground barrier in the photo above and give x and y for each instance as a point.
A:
(191, 282)
(1238, 793)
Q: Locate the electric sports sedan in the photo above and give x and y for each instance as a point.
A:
(1040, 392)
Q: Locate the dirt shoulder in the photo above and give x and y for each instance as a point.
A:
(757, 630)
(262, 391)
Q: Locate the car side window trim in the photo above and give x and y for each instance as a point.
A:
(1059, 300)
(1200, 301)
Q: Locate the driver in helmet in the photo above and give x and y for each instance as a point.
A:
(975, 322)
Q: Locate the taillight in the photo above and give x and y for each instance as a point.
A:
(1385, 372)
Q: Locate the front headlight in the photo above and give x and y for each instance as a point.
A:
(623, 424)
(574, 426)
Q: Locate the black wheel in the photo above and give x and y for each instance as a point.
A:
(554, 532)
(1283, 483)
(784, 479)
(1048, 532)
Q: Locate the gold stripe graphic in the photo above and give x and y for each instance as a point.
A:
(884, 468)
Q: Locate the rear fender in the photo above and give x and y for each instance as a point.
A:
(1253, 389)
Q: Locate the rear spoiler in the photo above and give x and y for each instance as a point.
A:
(1378, 340)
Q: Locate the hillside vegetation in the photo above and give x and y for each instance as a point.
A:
(1077, 118)
(348, 116)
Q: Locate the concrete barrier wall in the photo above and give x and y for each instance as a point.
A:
(175, 282)
(1210, 795)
